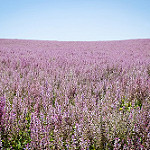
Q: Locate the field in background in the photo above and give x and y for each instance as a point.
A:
(75, 95)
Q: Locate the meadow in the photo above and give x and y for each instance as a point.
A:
(75, 95)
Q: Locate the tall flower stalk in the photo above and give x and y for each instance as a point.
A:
(74, 95)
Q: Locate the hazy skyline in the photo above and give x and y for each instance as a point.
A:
(80, 20)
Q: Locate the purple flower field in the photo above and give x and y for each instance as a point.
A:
(75, 95)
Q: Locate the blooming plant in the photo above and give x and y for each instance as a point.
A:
(75, 95)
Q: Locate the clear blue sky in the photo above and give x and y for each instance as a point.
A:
(75, 20)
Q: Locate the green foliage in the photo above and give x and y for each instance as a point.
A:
(51, 139)
(18, 139)
(92, 147)
(54, 98)
(127, 105)
(72, 101)
(138, 102)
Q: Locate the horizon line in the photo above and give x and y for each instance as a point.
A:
(74, 40)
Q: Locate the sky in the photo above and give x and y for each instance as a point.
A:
(75, 20)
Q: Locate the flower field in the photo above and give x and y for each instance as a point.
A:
(75, 95)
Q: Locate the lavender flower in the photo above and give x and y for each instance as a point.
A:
(75, 95)
(2, 105)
